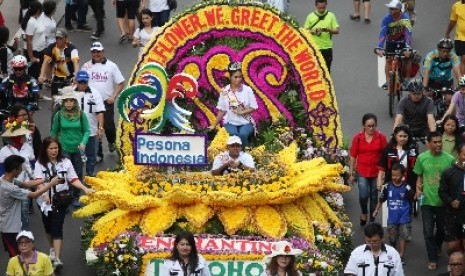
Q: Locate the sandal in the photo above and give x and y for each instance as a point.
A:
(122, 38)
(363, 222)
(432, 266)
(367, 21)
(355, 17)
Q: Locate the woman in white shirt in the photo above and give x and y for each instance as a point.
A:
(281, 261)
(236, 103)
(35, 38)
(184, 260)
(51, 163)
(160, 11)
(145, 32)
(48, 21)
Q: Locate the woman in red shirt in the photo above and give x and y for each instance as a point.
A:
(367, 146)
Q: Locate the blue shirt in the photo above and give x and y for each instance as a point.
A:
(391, 30)
(398, 202)
(440, 70)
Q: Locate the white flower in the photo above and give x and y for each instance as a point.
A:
(319, 238)
(344, 153)
(90, 255)
(340, 202)
(120, 258)
(312, 274)
(324, 265)
(122, 245)
(116, 272)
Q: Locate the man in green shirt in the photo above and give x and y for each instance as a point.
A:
(429, 167)
(322, 24)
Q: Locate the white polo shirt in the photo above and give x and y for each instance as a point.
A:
(389, 260)
(103, 77)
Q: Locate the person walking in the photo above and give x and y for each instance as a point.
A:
(323, 24)
(367, 8)
(374, 257)
(98, 9)
(365, 153)
(92, 104)
(457, 20)
(107, 79)
(429, 167)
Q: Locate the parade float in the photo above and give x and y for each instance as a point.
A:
(164, 185)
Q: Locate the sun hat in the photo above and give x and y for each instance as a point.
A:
(27, 234)
(96, 46)
(234, 140)
(14, 128)
(69, 92)
(82, 75)
(283, 248)
(394, 4)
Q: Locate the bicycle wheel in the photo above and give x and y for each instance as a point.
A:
(391, 93)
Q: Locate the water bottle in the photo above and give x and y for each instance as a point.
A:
(83, 156)
(420, 199)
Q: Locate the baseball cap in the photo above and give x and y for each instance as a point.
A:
(82, 75)
(96, 46)
(395, 4)
(61, 33)
(234, 140)
(26, 234)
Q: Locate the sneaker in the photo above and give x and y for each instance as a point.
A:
(84, 28)
(57, 265)
(432, 266)
(111, 147)
(99, 159)
(95, 36)
(404, 262)
(69, 28)
(52, 254)
(76, 203)
(385, 86)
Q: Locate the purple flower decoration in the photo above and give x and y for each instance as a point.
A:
(321, 114)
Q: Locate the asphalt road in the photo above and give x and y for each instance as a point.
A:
(354, 74)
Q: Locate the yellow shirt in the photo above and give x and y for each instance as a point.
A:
(457, 14)
(42, 267)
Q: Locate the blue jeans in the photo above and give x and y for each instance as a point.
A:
(91, 153)
(78, 167)
(433, 217)
(243, 131)
(25, 214)
(367, 191)
(160, 18)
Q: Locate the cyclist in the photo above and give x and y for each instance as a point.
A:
(395, 36)
(20, 88)
(61, 56)
(416, 110)
(457, 105)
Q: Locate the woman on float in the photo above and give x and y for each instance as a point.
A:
(365, 152)
(281, 261)
(235, 105)
(51, 163)
(184, 260)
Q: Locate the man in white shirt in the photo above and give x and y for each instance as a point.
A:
(106, 78)
(92, 104)
(374, 257)
(233, 159)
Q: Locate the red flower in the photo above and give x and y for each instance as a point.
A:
(287, 249)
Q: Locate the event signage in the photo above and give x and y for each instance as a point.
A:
(170, 150)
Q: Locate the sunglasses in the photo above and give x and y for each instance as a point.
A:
(95, 52)
(235, 66)
(19, 69)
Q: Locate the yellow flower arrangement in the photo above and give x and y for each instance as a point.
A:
(156, 220)
(234, 218)
(197, 214)
(269, 222)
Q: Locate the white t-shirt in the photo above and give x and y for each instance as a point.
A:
(158, 5)
(92, 104)
(224, 157)
(50, 28)
(243, 98)
(103, 77)
(26, 152)
(362, 255)
(36, 28)
(144, 37)
(63, 168)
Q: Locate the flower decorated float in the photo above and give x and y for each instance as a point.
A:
(293, 195)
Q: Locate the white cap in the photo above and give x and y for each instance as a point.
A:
(26, 234)
(96, 46)
(394, 4)
(234, 140)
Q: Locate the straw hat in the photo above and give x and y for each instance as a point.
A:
(14, 129)
(283, 248)
(68, 92)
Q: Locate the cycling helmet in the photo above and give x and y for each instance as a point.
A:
(19, 62)
(445, 43)
(415, 86)
(462, 81)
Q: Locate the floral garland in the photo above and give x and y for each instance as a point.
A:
(12, 124)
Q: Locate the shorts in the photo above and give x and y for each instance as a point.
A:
(394, 47)
(53, 223)
(404, 231)
(131, 6)
(453, 229)
(459, 47)
(10, 244)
